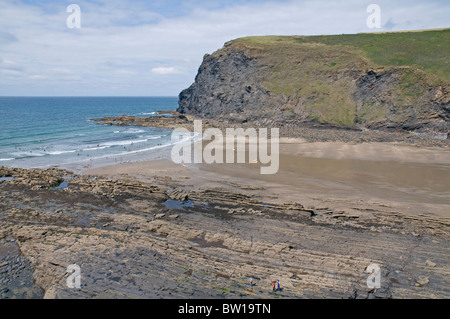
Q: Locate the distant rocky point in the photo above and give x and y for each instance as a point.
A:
(162, 119)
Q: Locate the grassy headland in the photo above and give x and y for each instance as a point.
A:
(320, 70)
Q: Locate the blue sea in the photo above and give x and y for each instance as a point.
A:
(42, 132)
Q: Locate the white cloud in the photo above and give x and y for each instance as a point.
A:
(37, 77)
(165, 70)
(9, 65)
(13, 73)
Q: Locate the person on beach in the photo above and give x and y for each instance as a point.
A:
(278, 283)
(274, 286)
(251, 282)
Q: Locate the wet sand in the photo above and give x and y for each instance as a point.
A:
(408, 177)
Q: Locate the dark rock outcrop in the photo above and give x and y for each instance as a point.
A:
(224, 87)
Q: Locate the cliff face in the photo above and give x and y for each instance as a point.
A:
(228, 85)
(374, 81)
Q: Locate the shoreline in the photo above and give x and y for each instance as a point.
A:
(303, 133)
(308, 131)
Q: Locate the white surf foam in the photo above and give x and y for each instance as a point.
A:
(122, 143)
(61, 152)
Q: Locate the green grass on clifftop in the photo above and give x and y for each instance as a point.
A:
(317, 69)
(426, 50)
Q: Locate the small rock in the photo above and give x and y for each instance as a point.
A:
(429, 263)
(422, 281)
(173, 217)
(159, 216)
(4, 290)
(383, 294)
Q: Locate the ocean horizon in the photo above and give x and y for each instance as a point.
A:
(43, 132)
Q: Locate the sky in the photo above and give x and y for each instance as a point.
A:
(155, 47)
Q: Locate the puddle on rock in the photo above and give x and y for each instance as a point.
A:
(267, 205)
(177, 204)
(63, 185)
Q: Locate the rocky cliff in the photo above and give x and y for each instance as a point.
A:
(391, 80)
